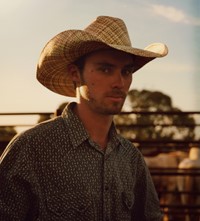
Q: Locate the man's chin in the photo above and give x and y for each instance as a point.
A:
(114, 110)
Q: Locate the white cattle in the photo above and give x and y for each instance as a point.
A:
(165, 161)
(166, 182)
(190, 183)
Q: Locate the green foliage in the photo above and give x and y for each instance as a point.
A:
(155, 126)
(7, 133)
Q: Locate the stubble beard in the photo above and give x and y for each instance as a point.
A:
(103, 108)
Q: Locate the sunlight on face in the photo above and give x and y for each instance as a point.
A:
(106, 79)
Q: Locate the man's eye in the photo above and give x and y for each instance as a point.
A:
(128, 71)
(105, 69)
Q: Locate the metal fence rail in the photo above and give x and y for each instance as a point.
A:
(175, 211)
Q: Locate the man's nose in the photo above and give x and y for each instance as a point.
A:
(118, 80)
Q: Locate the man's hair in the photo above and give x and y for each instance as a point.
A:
(80, 63)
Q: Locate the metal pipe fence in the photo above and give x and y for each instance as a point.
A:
(174, 210)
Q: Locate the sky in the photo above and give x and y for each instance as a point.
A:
(27, 25)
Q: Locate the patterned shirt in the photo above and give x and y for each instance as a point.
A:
(55, 172)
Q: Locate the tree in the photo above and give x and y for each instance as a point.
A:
(6, 134)
(155, 126)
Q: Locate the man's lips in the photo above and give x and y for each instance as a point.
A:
(117, 96)
(120, 94)
(116, 100)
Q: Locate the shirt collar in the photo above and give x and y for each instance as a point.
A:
(77, 132)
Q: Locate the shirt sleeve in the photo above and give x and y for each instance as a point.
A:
(146, 196)
(15, 188)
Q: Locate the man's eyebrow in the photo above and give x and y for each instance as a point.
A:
(105, 64)
(131, 65)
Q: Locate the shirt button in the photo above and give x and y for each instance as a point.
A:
(106, 188)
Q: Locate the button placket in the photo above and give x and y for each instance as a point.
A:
(106, 189)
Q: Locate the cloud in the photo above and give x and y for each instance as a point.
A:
(175, 15)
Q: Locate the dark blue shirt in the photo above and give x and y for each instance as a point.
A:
(54, 171)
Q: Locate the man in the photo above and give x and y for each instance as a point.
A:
(76, 167)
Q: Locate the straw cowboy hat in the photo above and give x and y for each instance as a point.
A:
(66, 47)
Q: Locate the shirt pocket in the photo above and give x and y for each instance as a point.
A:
(128, 199)
(69, 207)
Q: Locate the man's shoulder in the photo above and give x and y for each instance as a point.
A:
(41, 132)
(44, 128)
(128, 145)
(37, 139)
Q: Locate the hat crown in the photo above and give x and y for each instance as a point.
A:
(66, 47)
(110, 30)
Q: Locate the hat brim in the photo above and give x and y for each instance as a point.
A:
(68, 46)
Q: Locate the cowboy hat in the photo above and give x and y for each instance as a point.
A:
(66, 47)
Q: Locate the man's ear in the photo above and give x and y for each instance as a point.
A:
(74, 73)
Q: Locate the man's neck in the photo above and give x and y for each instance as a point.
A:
(97, 125)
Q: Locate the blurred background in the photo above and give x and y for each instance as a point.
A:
(170, 84)
(27, 25)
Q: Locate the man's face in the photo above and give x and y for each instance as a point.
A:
(105, 81)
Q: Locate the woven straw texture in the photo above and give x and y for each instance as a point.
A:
(68, 46)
